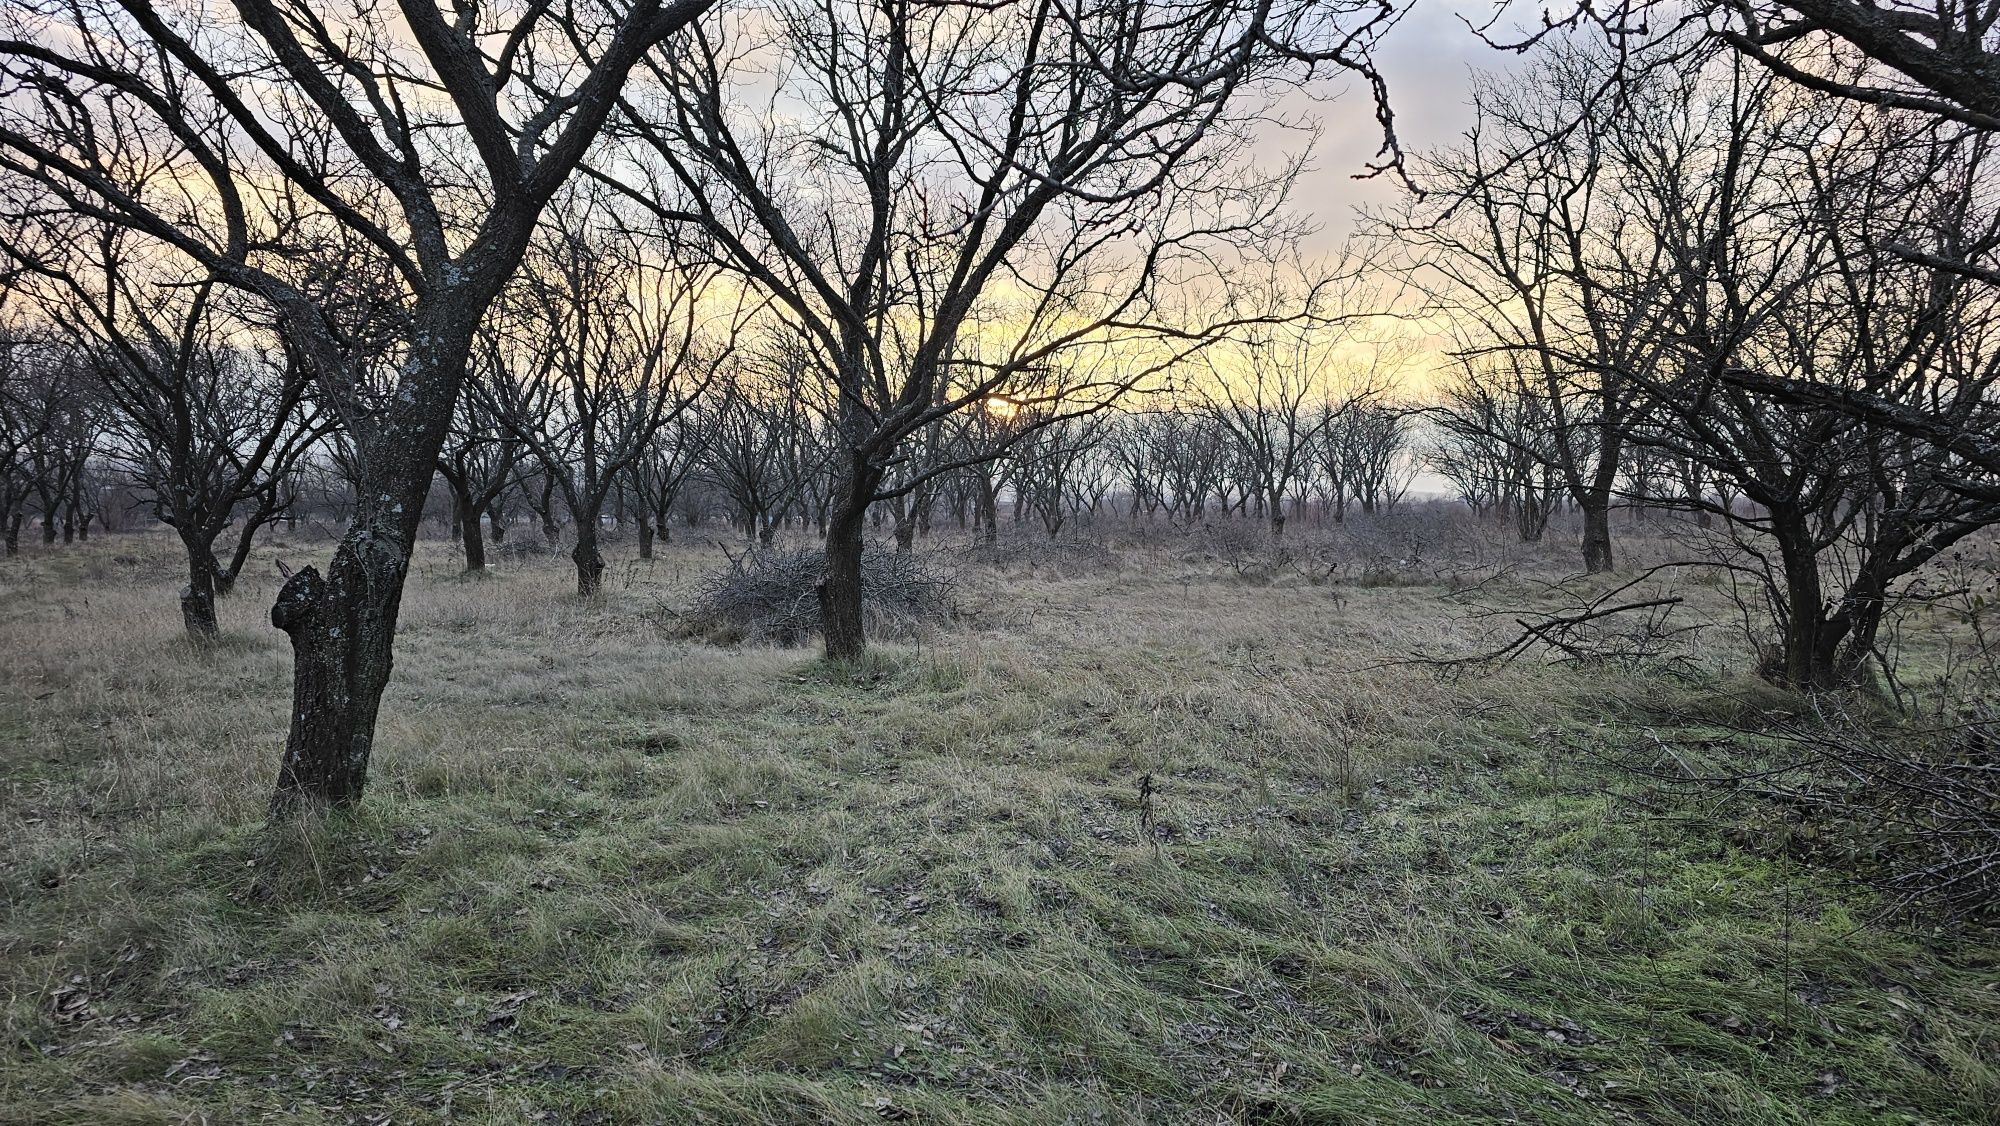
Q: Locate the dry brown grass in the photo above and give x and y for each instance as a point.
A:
(607, 875)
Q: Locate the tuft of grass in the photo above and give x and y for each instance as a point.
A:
(606, 875)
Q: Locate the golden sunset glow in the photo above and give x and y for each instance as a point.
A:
(1000, 407)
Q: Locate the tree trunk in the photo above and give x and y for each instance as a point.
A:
(550, 532)
(1852, 642)
(198, 597)
(471, 535)
(1527, 519)
(342, 628)
(1808, 648)
(589, 564)
(1596, 535)
(840, 587)
(1804, 632)
(906, 525)
(987, 512)
(645, 534)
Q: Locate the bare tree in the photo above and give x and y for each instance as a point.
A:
(970, 441)
(972, 192)
(765, 429)
(61, 428)
(1929, 57)
(1272, 386)
(1188, 451)
(424, 142)
(1053, 469)
(1527, 247)
(607, 342)
(207, 424)
(1938, 60)
(1365, 453)
(480, 461)
(25, 368)
(1768, 222)
(673, 456)
(1493, 442)
(1844, 509)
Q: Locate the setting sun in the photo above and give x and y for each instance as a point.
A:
(1000, 407)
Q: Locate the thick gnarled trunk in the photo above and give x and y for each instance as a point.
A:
(474, 540)
(840, 589)
(1811, 637)
(208, 579)
(343, 629)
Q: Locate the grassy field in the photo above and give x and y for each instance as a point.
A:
(1142, 839)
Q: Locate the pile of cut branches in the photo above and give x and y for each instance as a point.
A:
(772, 594)
(1916, 811)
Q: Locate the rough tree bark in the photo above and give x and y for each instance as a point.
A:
(840, 590)
(1596, 534)
(198, 597)
(342, 629)
(645, 522)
